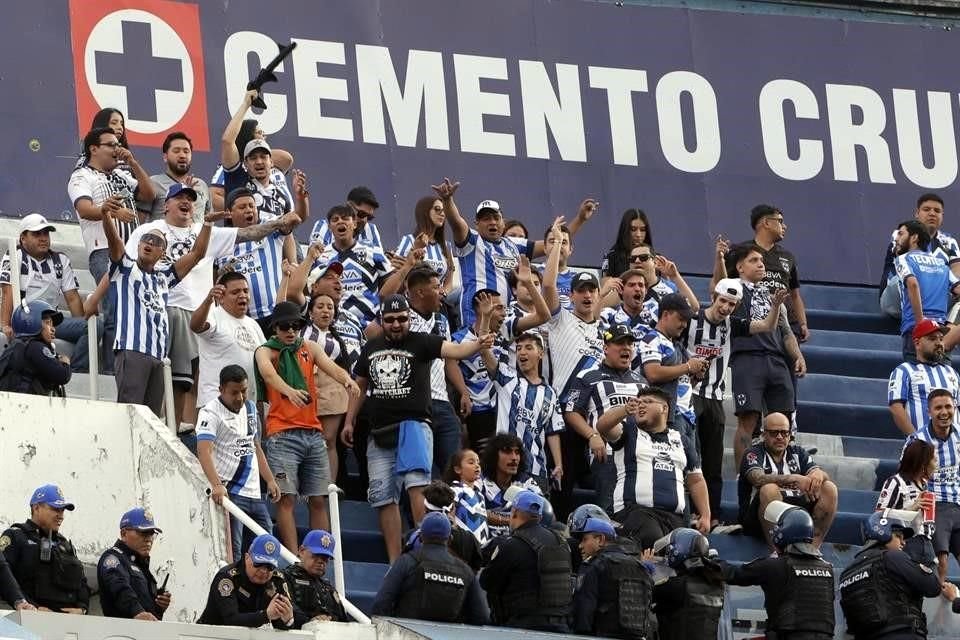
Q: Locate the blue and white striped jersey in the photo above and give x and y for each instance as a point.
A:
(573, 345)
(261, 261)
(475, 374)
(484, 265)
(142, 324)
(593, 392)
(272, 200)
(434, 254)
(234, 437)
(945, 481)
(370, 234)
(331, 346)
(911, 383)
(652, 468)
(640, 324)
(654, 293)
(529, 411)
(365, 268)
(935, 280)
(496, 502)
(470, 512)
(656, 348)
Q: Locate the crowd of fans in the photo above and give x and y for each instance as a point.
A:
(473, 352)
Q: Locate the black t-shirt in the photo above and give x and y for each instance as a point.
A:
(398, 376)
(781, 267)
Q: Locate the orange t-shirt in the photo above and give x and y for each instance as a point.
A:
(283, 414)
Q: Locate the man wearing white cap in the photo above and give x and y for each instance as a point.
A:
(45, 275)
(708, 337)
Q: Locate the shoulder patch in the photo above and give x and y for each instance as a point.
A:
(4, 542)
(225, 587)
(111, 562)
(48, 353)
(925, 568)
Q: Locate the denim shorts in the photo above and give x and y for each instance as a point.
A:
(385, 484)
(298, 459)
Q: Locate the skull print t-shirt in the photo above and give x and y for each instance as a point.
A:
(398, 377)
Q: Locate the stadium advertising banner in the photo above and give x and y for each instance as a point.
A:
(693, 116)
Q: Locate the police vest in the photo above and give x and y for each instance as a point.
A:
(699, 617)
(58, 573)
(439, 590)
(312, 595)
(627, 613)
(872, 602)
(808, 605)
(553, 597)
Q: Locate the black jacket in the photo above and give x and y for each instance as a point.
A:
(127, 588)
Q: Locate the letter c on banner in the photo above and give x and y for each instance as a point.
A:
(706, 153)
(773, 129)
(236, 74)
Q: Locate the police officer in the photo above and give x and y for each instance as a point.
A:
(313, 597)
(882, 592)
(127, 587)
(528, 578)
(430, 583)
(44, 562)
(251, 592)
(613, 599)
(688, 604)
(34, 366)
(10, 590)
(798, 585)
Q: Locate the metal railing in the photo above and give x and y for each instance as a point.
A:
(93, 347)
(169, 410)
(333, 497)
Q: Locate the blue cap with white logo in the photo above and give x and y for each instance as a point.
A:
(140, 519)
(320, 542)
(265, 549)
(177, 188)
(50, 495)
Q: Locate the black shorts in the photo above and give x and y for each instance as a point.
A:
(762, 383)
(750, 518)
(646, 525)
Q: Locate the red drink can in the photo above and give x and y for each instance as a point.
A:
(929, 513)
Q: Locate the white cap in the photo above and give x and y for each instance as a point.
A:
(35, 222)
(729, 288)
(253, 145)
(488, 204)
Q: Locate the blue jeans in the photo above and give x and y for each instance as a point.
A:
(99, 263)
(74, 330)
(446, 435)
(240, 536)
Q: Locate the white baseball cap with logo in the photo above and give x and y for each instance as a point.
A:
(35, 222)
(493, 205)
(730, 289)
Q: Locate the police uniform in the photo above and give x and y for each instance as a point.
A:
(798, 590)
(9, 589)
(614, 596)
(312, 597)
(431, 584)
(882, 592)
(236, 601)
(528, 580)
(127, 587)
(688, 605)
(46, 567)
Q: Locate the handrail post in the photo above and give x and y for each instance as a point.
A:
(93, 358)
(168, 405)
(333, 502)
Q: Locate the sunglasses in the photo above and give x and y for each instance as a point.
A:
(153, 240)
(288, 326)
(777, 433)
(395, 319)
(641, 257)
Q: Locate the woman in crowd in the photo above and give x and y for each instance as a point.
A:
(515, 229)
(902, 490)
(634, 231)
(332, 398)
(429, 217)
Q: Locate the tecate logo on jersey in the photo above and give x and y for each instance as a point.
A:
(144, 58)
(442, 577)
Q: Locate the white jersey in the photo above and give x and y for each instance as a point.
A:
(234, 437)
(898, 493)
(228, 340)
(437, 325)
(193, 289)
(45, 279)
(370, 235)
(574, 345)
(433, 254)
(87, 183)
(530, 412)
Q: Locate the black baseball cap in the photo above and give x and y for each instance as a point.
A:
(394, 304)
(236, 194)
(584, 279)
(676, 302)
(618, 333)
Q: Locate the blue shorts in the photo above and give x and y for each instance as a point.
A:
(385, 484)
(298, 459)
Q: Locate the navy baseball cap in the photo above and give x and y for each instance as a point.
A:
(265, 549)
(50, 495)
(435, 525)
(676, 302)
(176, 189)
(528, 502)
(394, 304)
(140, 519)
(320, 542)
(596, 525)
(618, 333)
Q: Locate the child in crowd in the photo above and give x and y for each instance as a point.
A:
(470, 512)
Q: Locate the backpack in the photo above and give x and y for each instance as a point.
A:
(11, 364)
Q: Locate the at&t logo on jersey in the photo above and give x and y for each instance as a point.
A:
(145, 58)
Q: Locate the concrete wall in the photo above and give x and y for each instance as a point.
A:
(108, 458)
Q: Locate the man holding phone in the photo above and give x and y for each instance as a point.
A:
(127, 587)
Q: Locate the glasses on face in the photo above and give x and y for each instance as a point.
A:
(112, 145)
(640, 257)
(288, 326)
(153, 240)
(780, 434)
(395, 319)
